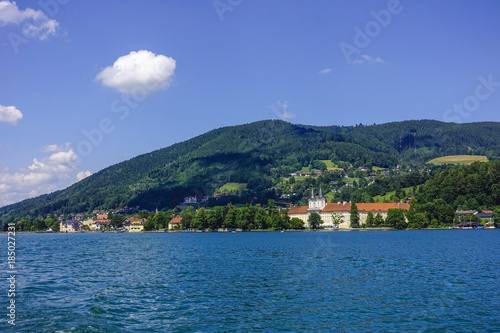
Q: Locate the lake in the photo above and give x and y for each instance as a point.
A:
(357, 281)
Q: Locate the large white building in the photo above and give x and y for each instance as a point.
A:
(342, 210)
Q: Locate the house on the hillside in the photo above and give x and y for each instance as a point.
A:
(102, 216)
(190, 200)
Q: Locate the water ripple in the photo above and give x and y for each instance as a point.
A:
(415, 281)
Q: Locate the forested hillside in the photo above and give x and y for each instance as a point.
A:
(476, 186)
(255, 154)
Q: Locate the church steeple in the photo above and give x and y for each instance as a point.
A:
(312, 193)
(320, 194)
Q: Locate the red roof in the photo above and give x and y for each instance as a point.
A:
(298, 210)
(381, 207)
(135, 219)
(176, 220)
(362, 207)
(335, 207)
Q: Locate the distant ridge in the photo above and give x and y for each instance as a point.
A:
(255, 153)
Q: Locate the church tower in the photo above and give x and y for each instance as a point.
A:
(317, 204)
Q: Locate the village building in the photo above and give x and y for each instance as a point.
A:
(70, 226)
(136, 225)
(102, 216)
(341, 209)
(175, 223)
(191, 200)
(485, 215)
(462, 213)
(100, 225)
(88, 223)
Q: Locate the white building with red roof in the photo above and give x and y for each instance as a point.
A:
(341, 209)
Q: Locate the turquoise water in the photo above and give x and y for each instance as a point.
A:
(386, 281)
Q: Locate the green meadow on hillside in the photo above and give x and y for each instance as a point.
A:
(458, 159)
(233, 188)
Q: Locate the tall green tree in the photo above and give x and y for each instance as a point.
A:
(314, 220)
(22, 225)
(55, 225)
(117, 221)
(370, 220)
(201, 219)
(215, 217)
(261, 217)
(40, 224)
(49, 223)
(149, 224)
(417, 221)
(161, 220)
(296, 223)
(230, 219)
(379, 220)
(246, 218)
(188, 216)
(496, 214)
(396, 218)
(354, 216)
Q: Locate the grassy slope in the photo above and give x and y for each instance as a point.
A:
(232, 188)
(381, 198)
(329, 164)
(458, 159)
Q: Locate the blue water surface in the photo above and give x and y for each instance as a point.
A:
(358, 281)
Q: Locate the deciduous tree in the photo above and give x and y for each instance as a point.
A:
(315, 221)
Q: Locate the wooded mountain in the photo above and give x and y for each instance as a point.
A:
(254, 154)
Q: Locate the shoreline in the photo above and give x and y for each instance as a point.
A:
(239, 231)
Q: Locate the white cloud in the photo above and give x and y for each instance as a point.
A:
(43, 176)
(141, 72)
(367, 59)
(280, 109)
(325, 71)
(83, 174)
(35, 23)
(10, 115)
(49, 148)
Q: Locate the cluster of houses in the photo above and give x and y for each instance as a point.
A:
(333, 215)
(102, 223)
(130, 224)
(195, 200)
(483, 219)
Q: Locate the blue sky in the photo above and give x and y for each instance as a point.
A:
(142, 75)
